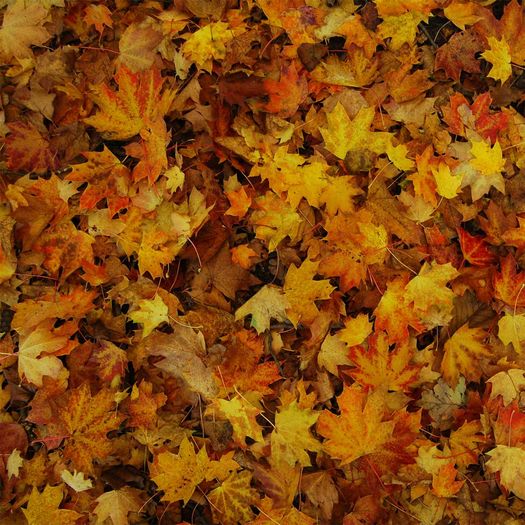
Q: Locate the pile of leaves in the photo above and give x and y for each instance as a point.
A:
(262, 262)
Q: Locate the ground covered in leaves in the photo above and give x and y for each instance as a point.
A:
(262, 262)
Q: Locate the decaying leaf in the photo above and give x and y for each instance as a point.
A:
(262, 262)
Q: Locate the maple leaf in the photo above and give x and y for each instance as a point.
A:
(475, 249)
(509, 284)
(143, 404)
(22, 28)
(268, 303)
(484, 169)
(393, 314)
(359, 430)
(107, 178)
(240, 370)
(458, 54)
(447, 184)
(150, 313)
(207, 44)
(43, 507)
(507, 384)
(515, 236)
(183, 351)
(461, 14)
(464, 441)
(137, 105)
(377, 367)
(178, 475)
(28, 150)
(291, 437)
(344, 135)
(300, 291)
(499, 56)
(274, 220)
(509, 462)
(241, 413)
(117, 504)
(66, 249)
(333, 353)
(32, 312)
(85, 421)
(509, 425)
(14, 463)
(288, 172)
(32, 365)
(321, 490)
(240, 202)
(137, 47)
(432, 300)
(231, 501)
(7, 255)
(461, 116)
(77, 481)
(444, 483)
(286, 94)
(511, 329)
(462, 354)
(98, 16)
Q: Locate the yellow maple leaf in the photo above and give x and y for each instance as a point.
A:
(511, 329)
(35, 354)
(487, 160)
(291, 437)
(301, 291)
(462, 14)
(150, 313)
(76, 480)
(378, 367)
(345, 135)
(115, 505)
(462, 353)
(432, 300)
(136, 105)
(268, 303)
(177, 475)
(85, 421)
(401, 29)
(464, 441)
(507, 384)
(231, 502)
(241, 414)
(499, 56)
(339, 193)
(356, 330)
(42, 507)
(208, 44)
(447, 185)
(290, 173)
(274, 219)
(174, 179)
(359, 430)
(510, 463)
(483, 169)
(333, 353)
